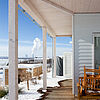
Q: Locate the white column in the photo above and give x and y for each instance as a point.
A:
(4, 77)
(52, 58)
(44, 58)
(13, 49)
(54, 52)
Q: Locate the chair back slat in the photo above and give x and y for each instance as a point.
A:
(90, 81)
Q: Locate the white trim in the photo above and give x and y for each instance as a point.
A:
(95, 34)
(13, 50)
(73, 53)
(52, 58)
(4, 77)
(54, 51)
(93, 53)
(63, 66)
(59, 7)
(44, 58)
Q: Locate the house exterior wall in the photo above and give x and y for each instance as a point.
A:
(83, 27)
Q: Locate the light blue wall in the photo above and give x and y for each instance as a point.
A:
(83, 27)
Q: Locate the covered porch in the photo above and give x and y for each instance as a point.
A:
(57, 17)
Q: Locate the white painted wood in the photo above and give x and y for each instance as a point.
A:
(55, 16)
(84, 25)
(44, 57)
(95, 34)
(13, 49)
(52, 56)
(79, 6)
(54, 51)
(73, 39)
(67, 65)
(32, 9)
(60, 22)
(55, 5)
(4, 77)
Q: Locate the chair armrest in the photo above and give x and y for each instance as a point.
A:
(78, 85)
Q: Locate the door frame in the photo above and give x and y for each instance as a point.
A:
(95, 34)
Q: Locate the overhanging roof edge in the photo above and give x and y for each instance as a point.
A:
(25, 4)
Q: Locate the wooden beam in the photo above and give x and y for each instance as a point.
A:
(59, 7)
(63, 35)
(33, 12)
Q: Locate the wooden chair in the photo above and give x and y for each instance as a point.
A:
(89, 85)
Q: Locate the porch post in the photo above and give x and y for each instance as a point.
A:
(54, 51)
(52, 59)
(44, 58)
(13, 49)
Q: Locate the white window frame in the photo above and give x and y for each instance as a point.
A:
(95, 34)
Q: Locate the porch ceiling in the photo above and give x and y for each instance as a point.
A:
(79, 6)
(56, 15)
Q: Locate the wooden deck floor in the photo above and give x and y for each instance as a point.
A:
(64, 92)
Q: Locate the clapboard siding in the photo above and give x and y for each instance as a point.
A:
(83, 27)
(86, 49)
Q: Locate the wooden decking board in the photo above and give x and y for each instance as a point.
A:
(58, 99)
(90, 97)
(61, 95)
(63, 92)
(60, 88)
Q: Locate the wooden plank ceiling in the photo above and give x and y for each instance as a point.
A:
(56, 15)
(80, 6)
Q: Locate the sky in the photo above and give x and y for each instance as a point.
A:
(29, 36)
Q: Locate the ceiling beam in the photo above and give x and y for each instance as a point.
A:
(87, 13)
(59, 7)
(63, 35)
(35, 14)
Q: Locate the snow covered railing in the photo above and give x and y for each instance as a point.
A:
(23, 70)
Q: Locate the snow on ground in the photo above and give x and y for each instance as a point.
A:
(1, 77)
(32, 94)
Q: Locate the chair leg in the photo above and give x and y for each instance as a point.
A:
(79, 98)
